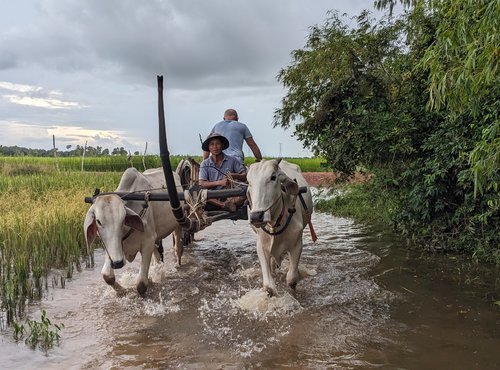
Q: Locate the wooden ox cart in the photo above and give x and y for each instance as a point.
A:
(191, 216)
(112, 213)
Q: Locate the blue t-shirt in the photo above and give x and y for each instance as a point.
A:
(210, 172)
(236, 132)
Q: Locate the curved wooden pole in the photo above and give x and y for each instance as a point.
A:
(177, 209)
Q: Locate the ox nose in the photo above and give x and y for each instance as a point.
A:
(257, 218)
(117, 264)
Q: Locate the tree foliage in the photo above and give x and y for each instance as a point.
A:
(340, 89)
(464, 75)
(406, 98)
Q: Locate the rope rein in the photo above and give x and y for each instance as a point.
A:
(230, 178)
(196, 204)
(143, 211)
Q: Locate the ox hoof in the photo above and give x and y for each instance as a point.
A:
(141, 288)
(269, 291)
(178, 260)
(293, 286)
(110, 280)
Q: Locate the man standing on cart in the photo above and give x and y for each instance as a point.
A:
(219, 169)
(236, 133)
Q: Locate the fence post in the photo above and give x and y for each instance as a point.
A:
(83, 154)
(55, 151)
(144, 156)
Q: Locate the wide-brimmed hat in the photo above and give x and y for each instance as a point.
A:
(215, 135)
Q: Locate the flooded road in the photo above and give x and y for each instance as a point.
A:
(364, 301)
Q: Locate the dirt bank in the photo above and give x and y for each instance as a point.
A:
(325, 179)
(320, 179)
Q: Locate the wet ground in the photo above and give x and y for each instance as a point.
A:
(364, 301)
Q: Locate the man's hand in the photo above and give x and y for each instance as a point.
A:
(224, 182)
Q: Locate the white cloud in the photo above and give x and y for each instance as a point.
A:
(14, 132)
(19, 87)
(35, 96)
(41, 102)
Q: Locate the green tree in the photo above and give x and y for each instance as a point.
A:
(463, 62)
(354, 96)
(361, 97)
(119, 151)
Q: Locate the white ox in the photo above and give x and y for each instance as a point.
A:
(272, 192)
(128, 227)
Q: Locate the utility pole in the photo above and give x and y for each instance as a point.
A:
(279, 155)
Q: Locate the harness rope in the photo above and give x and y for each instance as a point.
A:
(291, 212)
(196, 205)
(230, 178)
(144, 209)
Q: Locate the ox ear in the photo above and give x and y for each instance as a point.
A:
(133, 220)
(90, 226)
(290, 186)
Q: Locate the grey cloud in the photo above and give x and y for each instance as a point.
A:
(195, 43)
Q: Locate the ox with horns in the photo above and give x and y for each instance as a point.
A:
(129, 227)
(278, 214)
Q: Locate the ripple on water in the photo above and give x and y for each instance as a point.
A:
(212, 312)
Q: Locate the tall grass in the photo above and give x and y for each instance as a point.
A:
(365, 202)
(41, 230)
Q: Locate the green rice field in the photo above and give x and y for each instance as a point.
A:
(14, 165)
(41, 226)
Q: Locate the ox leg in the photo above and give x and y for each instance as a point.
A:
(108, 274)
(178, 245)
(142, 279)
(264, 253)
(158, 251)
(292, 276)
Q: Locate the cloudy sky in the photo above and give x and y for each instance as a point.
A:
(85, 70)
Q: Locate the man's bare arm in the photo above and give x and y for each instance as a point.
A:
(213, 184)
(255, 148)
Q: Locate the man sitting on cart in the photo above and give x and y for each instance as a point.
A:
(217, 171)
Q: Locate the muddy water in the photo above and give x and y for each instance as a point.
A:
(364, 301)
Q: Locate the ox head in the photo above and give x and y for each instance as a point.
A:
(106, 217)
(266, 182)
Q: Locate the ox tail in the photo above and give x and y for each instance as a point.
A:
(311, 227)
(314, 237)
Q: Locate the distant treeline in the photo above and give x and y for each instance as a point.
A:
(99, 151)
